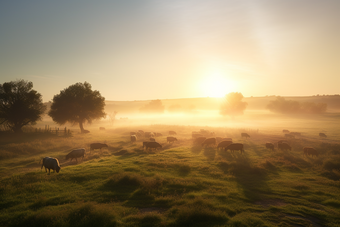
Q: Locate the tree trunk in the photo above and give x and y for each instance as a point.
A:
(81, 126)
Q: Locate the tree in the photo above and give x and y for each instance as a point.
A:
(20, 105)
(233, 105)
(112, 117)
(154, 106)
(77, 104)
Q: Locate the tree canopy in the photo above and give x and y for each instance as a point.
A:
(77, 104)
(281, 105)
(154, 106)
(233, 105)
(20, 105)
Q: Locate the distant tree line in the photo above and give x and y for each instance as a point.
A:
(281, 105)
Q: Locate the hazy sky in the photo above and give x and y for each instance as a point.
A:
(154, 49)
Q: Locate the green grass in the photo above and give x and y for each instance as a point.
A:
(179, 185)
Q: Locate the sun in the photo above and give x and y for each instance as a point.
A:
(216, 84)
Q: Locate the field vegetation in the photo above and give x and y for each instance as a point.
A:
(182, 184)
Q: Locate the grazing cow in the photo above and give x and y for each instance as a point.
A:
(101, 128)
(270, 146)
(171, 139)
(282, 141)
(51, 163)
(152, 145)
(94, 146)
(133, 138)
(310, 151)
(322, 135)
(209, 141)
(284, 146)
(243, 134)
(235, 147)
(77, 153)
(138, 134)
(285, 131)
(289, 136)
(144, 143)
(224, 144)
(157, 134)
(152, 139)
(172, 133)
(199, 140)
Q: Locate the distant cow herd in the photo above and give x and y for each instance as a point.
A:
(204, 138)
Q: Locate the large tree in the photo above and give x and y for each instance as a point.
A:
(20, 105)
(233, 104)
(77, 104)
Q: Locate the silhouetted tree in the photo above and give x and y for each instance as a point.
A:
(20, 105)
(281, 105)
(112, 117)
(154, 106)
(77, 104)
(233, 105)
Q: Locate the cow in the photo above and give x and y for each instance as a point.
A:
(285, 131)
(235, 147)
(243, 134)
(199, 140)
(284, 146)
(289, 136)
(157, 134)
(270, 146)
(152, 139)
(152, 145)
(171, 139)
(144, 143)
(172, 133)
(76, 153)
(209, 141)
(322, 135)
(101, 128)
(220, 139)
(310, 151)
(138, 134)
(51, 163)
(282, 141)
(224, 144)
(94, 146)
(133, 138)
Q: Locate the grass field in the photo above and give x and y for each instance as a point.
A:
(180, 185)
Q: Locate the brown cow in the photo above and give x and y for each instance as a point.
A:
(152, 139)
(285, 131)
(209, 141)
(152, 145)
(77, 153)
(270, 146)
(322, 135)
(172, 133)
(224, 144)
(171, 139)
(133, 138)
(94, 146)
(50, 163)
(284, 146)
(310, 151)
(199, 140)
(235, 147)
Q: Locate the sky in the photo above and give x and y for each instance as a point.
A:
(168, 49)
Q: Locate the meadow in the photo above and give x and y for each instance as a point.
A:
(182, 184)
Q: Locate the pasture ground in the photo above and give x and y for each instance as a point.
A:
(180, 185)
